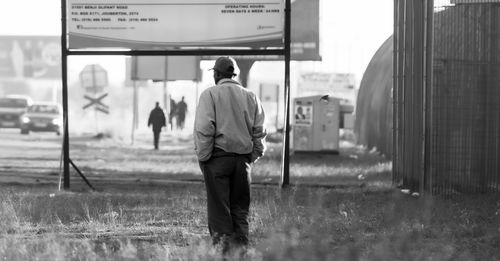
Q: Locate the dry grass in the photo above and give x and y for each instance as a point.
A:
(300, 223)
(137, 215)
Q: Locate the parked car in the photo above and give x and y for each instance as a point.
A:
(42, 116)
(11, 109)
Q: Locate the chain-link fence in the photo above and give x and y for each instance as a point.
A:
(447, 102)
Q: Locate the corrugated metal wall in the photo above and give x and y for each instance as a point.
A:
(466, 134)
(447, 96)
(412, 48)
(373, 124)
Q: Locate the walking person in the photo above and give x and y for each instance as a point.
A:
(171, 115)
(181, 113)
(229, 136)
(158, 121)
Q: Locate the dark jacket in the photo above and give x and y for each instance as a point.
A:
(157, 119)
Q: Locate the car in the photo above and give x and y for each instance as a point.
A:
(11, 109)
(42, 116)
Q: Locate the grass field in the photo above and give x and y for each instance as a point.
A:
(168, 222)
(353, 215)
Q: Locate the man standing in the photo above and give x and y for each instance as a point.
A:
(229, 136)
(181, 113)
(157, 119)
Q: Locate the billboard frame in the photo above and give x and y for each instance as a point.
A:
(285, 52)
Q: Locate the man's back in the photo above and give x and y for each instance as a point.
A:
(233, 115)
(157, 118)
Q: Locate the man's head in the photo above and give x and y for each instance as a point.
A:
(224, 67)
(157, 104)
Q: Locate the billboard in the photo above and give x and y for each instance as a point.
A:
(304, 42)
(168, 24)
(36, 57)
(305, 30)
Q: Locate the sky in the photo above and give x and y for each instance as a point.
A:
(351, 30)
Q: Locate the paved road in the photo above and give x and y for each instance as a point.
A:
(13, 143)
(29, 159)
(36, 158)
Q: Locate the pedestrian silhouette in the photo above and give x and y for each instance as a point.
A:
(181, 110)
(158, 121)
(172, 113)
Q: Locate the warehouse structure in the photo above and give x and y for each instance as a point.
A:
(444, 119)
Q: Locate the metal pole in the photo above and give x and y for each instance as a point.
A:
(285, 163)
(396, 75)
(132, 135)
(81, 174)
(61, 160)
(94, 85)
(136, 104)
(135, 121)
(197, 92)
(134, 81)
(424, 150)
(168, 109)
(428, 69)
(64, 78)
(180, 52)
(489, 102)
(165, 95)
(276, 124)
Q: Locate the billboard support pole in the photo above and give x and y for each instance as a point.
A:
(285, 163)
(132, 132)
(165, 97)
(64, 68)
(166, 101)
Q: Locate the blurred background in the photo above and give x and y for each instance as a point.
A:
(332, 44)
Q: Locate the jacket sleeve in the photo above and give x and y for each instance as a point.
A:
(258, 132)
(204, 127)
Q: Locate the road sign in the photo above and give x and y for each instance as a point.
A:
(94, 78)
(97, 102)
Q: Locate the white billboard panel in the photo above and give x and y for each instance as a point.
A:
(165, 68)
(163, 24)
(339, 85)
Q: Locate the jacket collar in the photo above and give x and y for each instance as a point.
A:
(227, 80)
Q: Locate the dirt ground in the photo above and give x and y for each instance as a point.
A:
(105, 161)
(150, 205)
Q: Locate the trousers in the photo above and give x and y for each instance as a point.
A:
(156, 137)
(227, 179)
